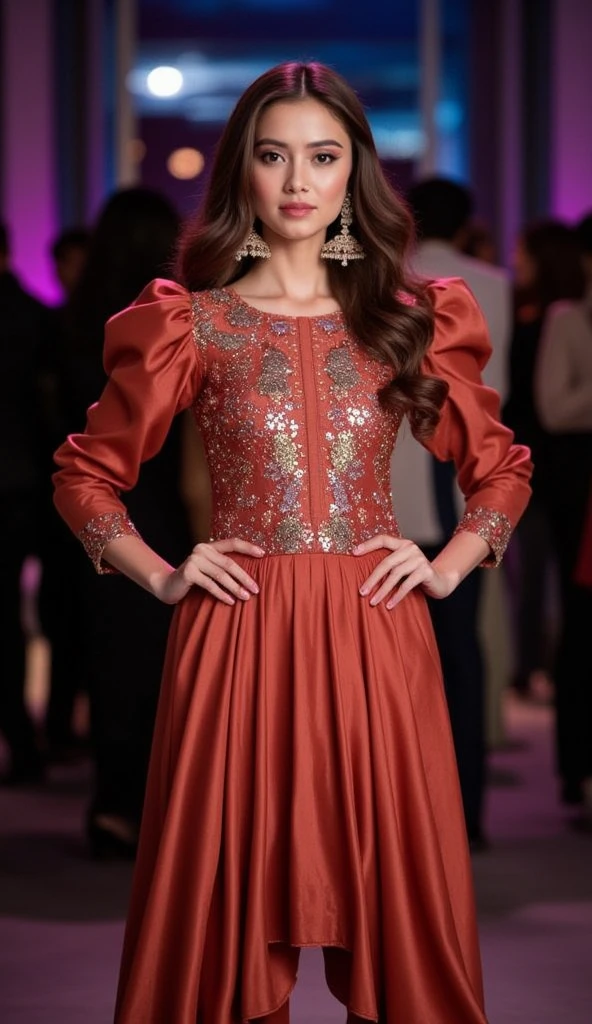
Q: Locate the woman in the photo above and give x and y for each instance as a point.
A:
(547, 268)
(302, 787)
(119, 632)
(563, 394)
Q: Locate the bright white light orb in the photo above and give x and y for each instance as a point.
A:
(185, 163)
(164, 81)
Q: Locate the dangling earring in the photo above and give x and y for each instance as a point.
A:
(253, 246)
(344, 247)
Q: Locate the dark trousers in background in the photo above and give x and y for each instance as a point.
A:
(455, 625)
(17, 526)
(571, 465)
(62, 618)
(536, 555)
(127, 635)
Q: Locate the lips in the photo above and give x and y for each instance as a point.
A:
(296, 207)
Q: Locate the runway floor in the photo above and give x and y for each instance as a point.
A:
(61, 915)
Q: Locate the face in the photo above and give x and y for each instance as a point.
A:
(301, 166)
(524, 266)
(70, 267)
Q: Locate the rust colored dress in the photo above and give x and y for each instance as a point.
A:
(302, 788)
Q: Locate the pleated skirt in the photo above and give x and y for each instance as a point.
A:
(302, 792)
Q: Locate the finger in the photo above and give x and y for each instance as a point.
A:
(387, 564)
(412, 581)
(394, 578)
(382, 540)
(224, 579)
(231, 567)
(236, 544)
(207, 583)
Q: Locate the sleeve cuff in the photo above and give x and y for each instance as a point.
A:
(493, 526)
(99, 531)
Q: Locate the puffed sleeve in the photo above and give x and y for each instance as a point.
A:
(493, 472)
(154, 371)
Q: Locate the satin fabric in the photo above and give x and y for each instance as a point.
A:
(302, 788)
(303, 792)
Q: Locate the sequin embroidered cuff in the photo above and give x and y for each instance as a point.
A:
(99, 531)
(493, 526)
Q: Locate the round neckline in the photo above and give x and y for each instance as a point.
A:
(336, 314)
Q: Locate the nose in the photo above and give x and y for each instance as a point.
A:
(295, 181)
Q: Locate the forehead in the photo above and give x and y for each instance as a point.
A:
(305, 120)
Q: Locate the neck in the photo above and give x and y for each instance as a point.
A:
(294, 271)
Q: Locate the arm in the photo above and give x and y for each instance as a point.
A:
(155, 371)
(563, 393)
(493, 472)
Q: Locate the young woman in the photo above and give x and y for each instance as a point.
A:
(302, 788)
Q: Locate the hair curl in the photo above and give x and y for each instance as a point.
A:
(387, 310)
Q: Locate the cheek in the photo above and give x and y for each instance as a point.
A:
(265, 184)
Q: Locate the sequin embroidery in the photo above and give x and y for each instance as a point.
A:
(492, 526)
(99, 531)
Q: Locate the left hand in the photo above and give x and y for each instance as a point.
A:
(404, 569)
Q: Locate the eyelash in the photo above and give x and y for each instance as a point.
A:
(328, 158)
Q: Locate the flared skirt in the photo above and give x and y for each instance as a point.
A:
(302, 792)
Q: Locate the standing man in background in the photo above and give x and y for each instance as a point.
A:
(428, 501)
(23, 330)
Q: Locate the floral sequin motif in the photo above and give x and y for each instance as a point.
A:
(99, 531)
(273, 380)
(492, 526)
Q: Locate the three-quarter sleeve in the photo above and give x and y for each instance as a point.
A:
(493, 472)
(154, 371)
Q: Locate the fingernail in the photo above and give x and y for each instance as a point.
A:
(374, 601)
(255, 588)
(245, 594)
(363, 591)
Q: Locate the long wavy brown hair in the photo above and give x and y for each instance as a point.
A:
(386, 309)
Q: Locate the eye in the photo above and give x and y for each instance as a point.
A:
(270, 157)
(325, 158)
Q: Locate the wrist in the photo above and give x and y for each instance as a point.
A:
(158, 582)
(450, 577)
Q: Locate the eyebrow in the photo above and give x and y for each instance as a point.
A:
(310, 145)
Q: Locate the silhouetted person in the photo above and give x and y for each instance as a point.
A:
(428, 502)
(132, 243)
(60, 606)
(23, 330)
(547, 267)
(563, 400)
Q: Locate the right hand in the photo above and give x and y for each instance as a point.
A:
(209, 567)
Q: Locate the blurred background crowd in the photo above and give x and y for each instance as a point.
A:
(105, 150)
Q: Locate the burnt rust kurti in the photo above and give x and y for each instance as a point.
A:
(302, 788)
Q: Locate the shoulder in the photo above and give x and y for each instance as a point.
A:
(159, 319)
(459, 325)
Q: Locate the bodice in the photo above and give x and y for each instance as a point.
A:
(297, 441)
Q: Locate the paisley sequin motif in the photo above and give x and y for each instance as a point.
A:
(341, 369)
(273, 380)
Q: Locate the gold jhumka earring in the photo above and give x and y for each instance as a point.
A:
(253, 246)
(344, 247)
